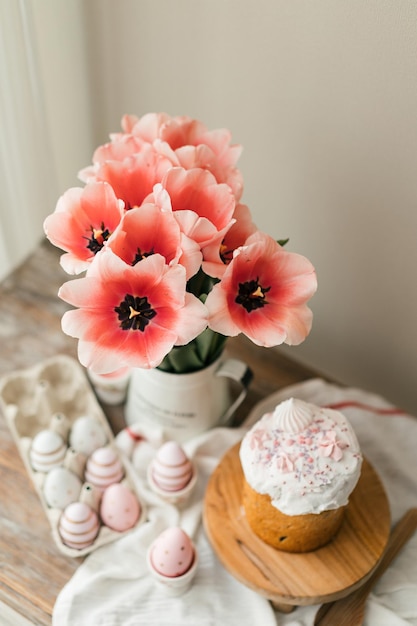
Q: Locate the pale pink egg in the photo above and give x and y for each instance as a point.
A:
(172, 553)
(171, 469)
(104, 468)
(78, 525)
(120, 509)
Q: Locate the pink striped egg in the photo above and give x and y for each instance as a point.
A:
(78, 525)
(104, 468)
(171, 469)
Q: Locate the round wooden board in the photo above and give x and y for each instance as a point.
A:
(289, 579)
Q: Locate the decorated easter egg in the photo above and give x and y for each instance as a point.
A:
(120, 509)
(47, 451)
(104, 468)
(172, 553)
(128, 439)
(61, 487)
(87, 434)
(171, 469)
(78, 525)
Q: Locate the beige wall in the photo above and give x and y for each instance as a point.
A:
(323, 96)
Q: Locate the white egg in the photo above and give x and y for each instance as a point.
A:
(61, 487)
(47, 451)
(87, 434)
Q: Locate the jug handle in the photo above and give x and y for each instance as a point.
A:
(242, 374)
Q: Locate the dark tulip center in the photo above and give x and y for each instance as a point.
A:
(252, 295)
(97, 239)
(134, 312)
(226, 255)
(141, 255)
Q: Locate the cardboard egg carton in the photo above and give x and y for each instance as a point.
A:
(53, 395)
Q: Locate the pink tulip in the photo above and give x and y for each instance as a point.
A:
(190, 145)
(144, 231)
(218, 254)
(130, 316)
(132, 177)
(120, 148)
(148, 230)
(263, 294)
(202, 206)
(203, 157)
(182, 131)
(82, 222)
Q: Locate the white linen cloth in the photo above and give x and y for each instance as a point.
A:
(112, 586)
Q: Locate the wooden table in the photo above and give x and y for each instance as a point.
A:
(32, 569)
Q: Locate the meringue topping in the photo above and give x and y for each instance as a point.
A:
(293, 416)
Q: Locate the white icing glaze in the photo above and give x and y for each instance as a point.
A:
(307, 459)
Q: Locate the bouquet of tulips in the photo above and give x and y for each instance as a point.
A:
(171, 262)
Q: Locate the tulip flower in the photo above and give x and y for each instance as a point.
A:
(130, 315)
(263, 294)
(174, 263)
(83, 221)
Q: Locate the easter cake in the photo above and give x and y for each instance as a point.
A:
(300, 464)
